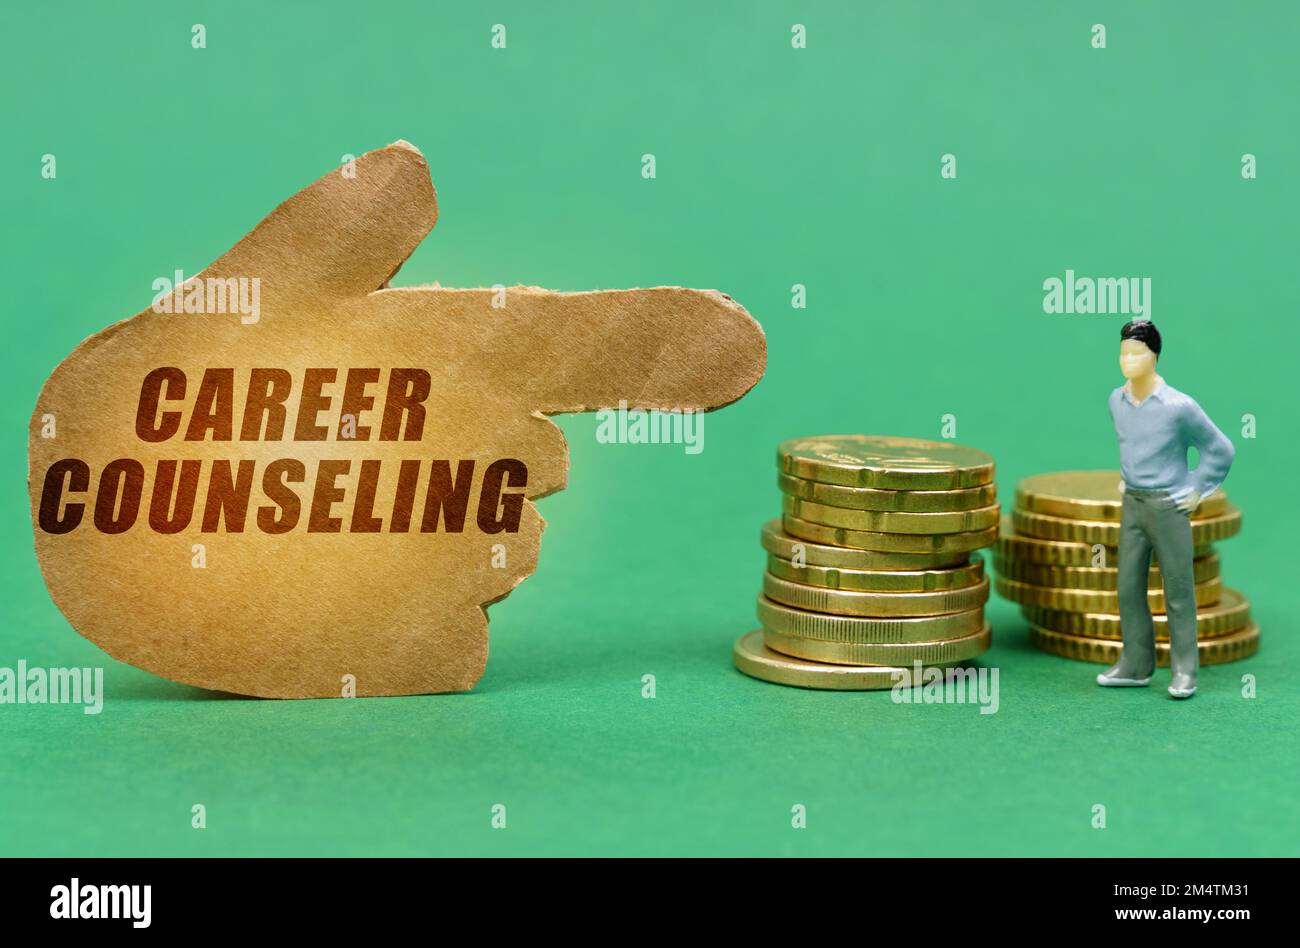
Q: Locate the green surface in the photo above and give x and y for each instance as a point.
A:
(775, 166)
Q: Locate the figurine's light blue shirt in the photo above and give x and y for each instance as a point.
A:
(1154, 436)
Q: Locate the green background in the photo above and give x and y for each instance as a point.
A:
(775, 166)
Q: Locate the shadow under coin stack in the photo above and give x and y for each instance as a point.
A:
(872, 567)
(1058, 558)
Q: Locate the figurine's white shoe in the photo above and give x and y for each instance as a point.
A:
(1182, 686)
(1117, 677)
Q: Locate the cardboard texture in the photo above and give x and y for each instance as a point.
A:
(318, 404)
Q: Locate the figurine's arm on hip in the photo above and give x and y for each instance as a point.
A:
(1216, 451)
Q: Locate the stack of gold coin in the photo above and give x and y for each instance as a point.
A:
(1058, 557)
(872, 567)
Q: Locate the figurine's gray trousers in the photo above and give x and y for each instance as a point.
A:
(1150, 520)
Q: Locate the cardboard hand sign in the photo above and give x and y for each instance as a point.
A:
(330, 484)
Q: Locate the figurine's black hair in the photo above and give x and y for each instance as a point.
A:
(1144, 331)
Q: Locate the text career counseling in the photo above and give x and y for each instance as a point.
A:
(117, 499)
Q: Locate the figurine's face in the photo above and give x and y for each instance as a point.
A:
(1135, 359)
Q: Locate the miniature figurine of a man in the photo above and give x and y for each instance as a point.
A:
(1156, 425)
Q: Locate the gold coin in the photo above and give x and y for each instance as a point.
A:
(894, 655)
(1205, 530)
(885, 462)
(755, 659)
(1019, 546)
(779, 543)
(1238, 644)
(853, 602)
(1093, 577)
(1093, 600)
(881, 580)
(889, 542)
(1090, 495)
(871, 498)
(862, 630)
(1230, 613)
(892, 521)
